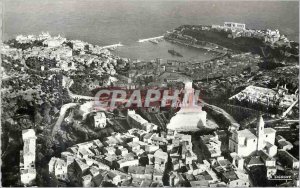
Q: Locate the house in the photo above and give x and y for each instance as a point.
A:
(136, 182)
(151, 148)
(98, 143)
(148, 127)
(135, 120)
(134, 145)
(232, 180)
(59, 168)
(123, 176)
(175, 179)
(190, 157)
(84, 152)
(183, 137)
(175, 152)
(101, 165)
(149, 172)
(200, 183)
(189, 177)
(115, 178)
(137, 171)
(77, 44)
(127, 162)
(28, 175)
(147, 137)
(254, 161)
(282, 143)
(156, 140)
(80, 167)
(122, 151)
(158, 175)
(193, 169)
(100, 120)
(86, 180)
(109, 150)
(139, 152)
(110, 160)
(285, 145)
(98, 179)
(146, 183)
(288, 159)
(237, 161)
(94, 171)
(212, 145)
(160, 159)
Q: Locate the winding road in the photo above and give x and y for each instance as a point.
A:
(67, 106)
(61, 117)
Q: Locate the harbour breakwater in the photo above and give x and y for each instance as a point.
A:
(220, 49)
(113, 46)
(149, 39)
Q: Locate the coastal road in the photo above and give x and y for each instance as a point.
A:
(61, 117)
(75, 96)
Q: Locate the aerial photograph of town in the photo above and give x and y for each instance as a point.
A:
(149, 93)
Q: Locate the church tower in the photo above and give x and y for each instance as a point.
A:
(260, 133)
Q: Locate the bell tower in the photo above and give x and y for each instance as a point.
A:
(260, 133)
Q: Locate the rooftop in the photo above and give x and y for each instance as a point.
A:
(246, 133)
(269, 130)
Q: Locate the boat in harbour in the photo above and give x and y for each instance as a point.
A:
(173, 52)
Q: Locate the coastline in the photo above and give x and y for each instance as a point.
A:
(217, 50)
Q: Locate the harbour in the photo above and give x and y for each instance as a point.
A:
(148, 51)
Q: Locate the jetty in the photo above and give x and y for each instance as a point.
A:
(149, 39)
(112, 46)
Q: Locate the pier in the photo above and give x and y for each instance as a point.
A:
(112, 46)
(148, 39)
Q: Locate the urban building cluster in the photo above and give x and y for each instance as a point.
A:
(277, 97)
(262, 147)
(224, 67)
(145, 158)
(239, 30)
(44, 54)
(156, 150)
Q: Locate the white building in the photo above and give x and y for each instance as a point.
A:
(233, 25)
(136, 121)
(272, 36)
(100, 120)
(78, 45)
(160, 159)
(245, 143)
(59, 168)
(27, 161)
(54, 42)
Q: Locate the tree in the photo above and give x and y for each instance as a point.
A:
(37, 118)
